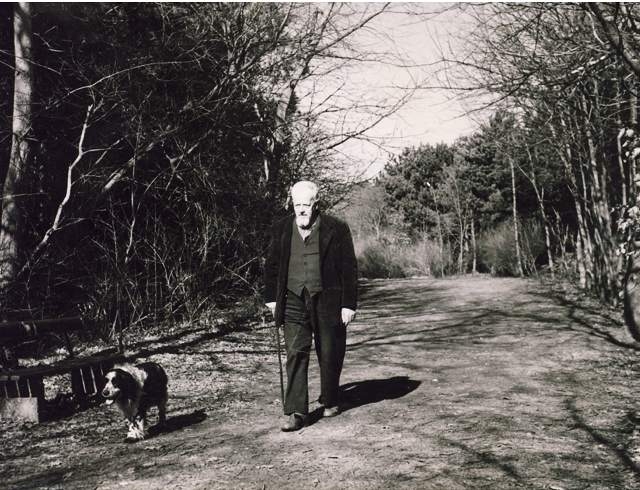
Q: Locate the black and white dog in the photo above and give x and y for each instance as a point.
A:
(134, 389)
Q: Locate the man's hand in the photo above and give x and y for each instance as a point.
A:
(347, 316)
(272, 307)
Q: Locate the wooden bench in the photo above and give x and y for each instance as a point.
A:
(22, 393)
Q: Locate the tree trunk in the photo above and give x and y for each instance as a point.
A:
(474, 267)
(545, 222)
(633, 122)
(581, 260)
(12, 173)
(461, 251)
(547, 239)
(604, 274)
(566, 156)
(441, 243)
(621, 132)
(514, 205)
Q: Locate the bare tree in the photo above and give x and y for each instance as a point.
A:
(169, 149)
(11, 172)
(559, 65)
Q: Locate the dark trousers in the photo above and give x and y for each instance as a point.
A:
(304, 320)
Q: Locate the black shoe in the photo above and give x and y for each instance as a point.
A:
(296, 421)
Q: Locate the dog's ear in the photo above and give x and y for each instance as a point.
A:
(104, 380)
(126, 383)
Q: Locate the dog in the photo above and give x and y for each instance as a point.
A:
(134, 389)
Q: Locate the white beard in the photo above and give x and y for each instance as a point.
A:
(303, 222)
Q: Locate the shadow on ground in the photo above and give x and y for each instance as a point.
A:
(431, 316)
(65, 405)
(610, 443)
(361, 393)
(594, 320)
(179, 422)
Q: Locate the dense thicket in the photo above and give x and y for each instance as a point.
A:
(162, 143)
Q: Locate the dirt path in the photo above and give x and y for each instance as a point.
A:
(466, 383)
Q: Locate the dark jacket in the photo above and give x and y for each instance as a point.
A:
(338, 266)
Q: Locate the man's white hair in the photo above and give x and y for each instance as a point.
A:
(305, 186)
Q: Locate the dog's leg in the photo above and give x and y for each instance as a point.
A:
(136, 422)
(140, 424)
(162, 412)
(136, 429)
(134, 433)
(129, 414)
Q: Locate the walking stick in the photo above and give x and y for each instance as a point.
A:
(277, 341)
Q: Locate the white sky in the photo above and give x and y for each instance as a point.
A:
(430, 116)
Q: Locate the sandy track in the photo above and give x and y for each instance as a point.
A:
(473, 382)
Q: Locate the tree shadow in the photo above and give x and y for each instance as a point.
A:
(173, 347)
(192, 338)
(361, 393)
(168, 338)
(592, 320)
(428, 317)
(396, 301)
(621, 451)
(487, 459)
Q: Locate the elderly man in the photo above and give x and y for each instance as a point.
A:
(311, 289)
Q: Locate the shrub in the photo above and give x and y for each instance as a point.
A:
(376, 261)
(392, 256)
(497, 252)
(426, 259)
(532, 244)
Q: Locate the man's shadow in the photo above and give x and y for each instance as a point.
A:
(359, 393)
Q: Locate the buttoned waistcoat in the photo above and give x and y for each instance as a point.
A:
(338, 267)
